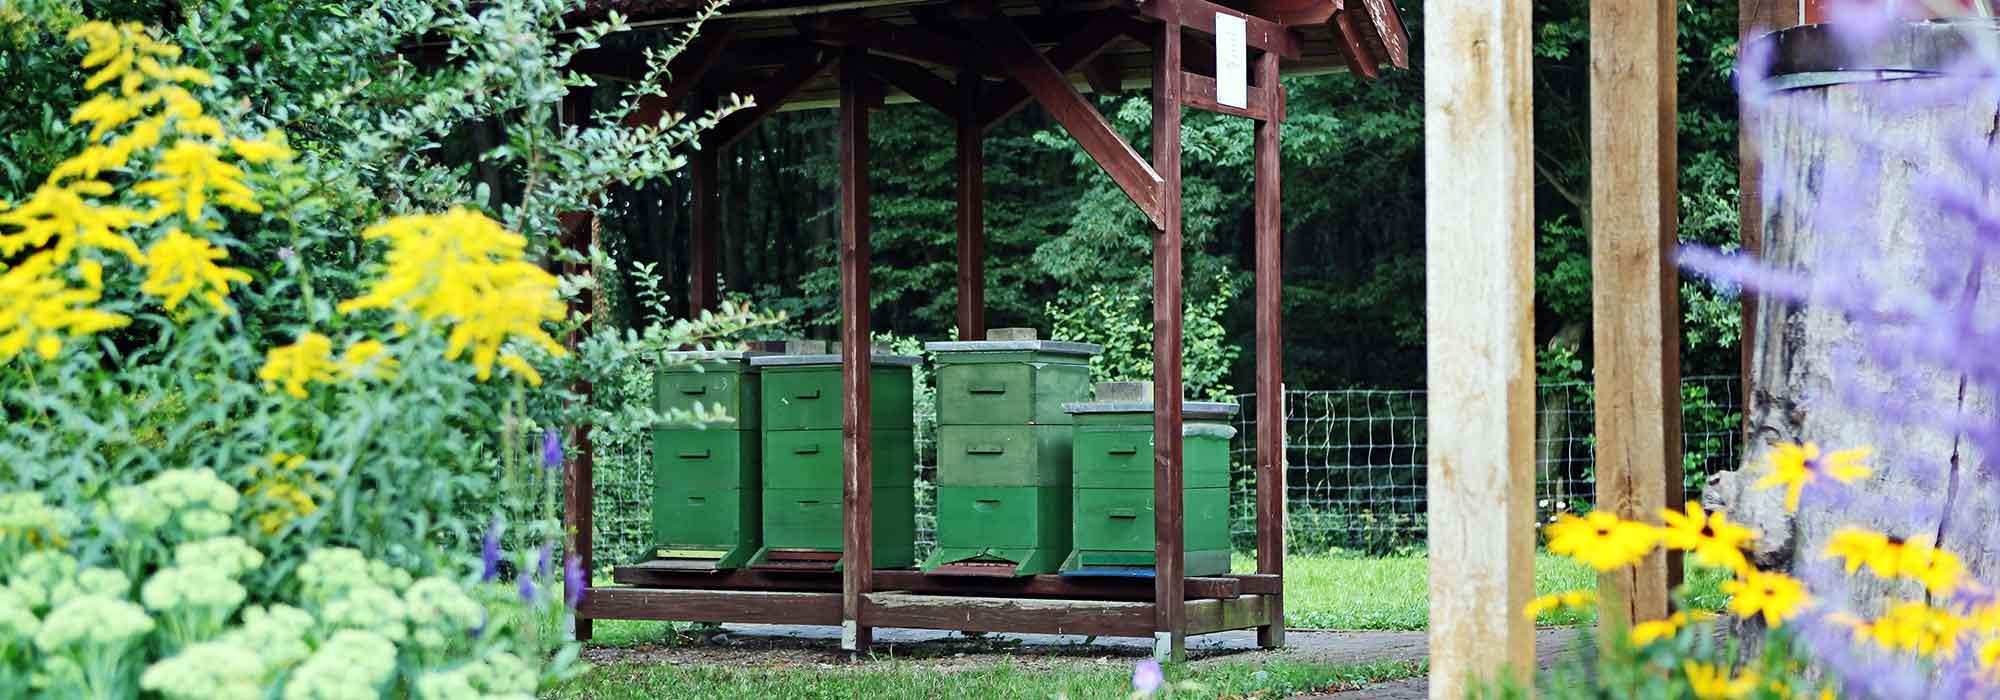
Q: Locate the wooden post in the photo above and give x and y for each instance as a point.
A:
(1270, 349)
(1169, 592)
(971, 211)
(857, 456)
(706, 219)
(579, 232)
(1634, 285)
(1479, 301)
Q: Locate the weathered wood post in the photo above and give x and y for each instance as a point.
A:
(1635, 286)
(1479, 300)
(857, 453)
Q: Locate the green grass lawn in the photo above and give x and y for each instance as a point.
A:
(1003, 679)
(1352, 592)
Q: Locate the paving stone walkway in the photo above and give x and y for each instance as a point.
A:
(796, 645)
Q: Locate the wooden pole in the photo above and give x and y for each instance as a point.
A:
(1270, 349)
(971, 211)
(579, 230)
(1479, 301)
(706, 219)
(857, 461)
(1634, 285)
(1169, 593)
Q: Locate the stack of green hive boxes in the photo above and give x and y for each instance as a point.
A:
(705, 480)
(1114, 482)
(803, 469)
(1003, 463)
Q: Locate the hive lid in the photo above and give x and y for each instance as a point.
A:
(1190, 410)
(1053, 347)
(715, 355)
(1208, 430)
(878, 360)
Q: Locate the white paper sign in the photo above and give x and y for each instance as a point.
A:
(1232, 61)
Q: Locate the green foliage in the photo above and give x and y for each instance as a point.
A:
(1119, 317)
(1695, 662)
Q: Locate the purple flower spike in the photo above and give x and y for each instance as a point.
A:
(527, 589)
(572, 581)
(1147, 677)
(552, 451)
(489, 552)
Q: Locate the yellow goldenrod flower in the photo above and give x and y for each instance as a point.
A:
(179, 265)
(187, 175)
(105, 112)
(1573, 600)
(308, 360)
(1775, 596)
(61, 215)
(1794, 466)
(1938, 570)
(37, 309)
(1714, 682)
(368, 359)
(1709, 536)
(462, 268)
(269, 149)
(117, 50)
(1601, 539)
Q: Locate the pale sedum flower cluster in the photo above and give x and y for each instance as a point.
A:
(360, 628)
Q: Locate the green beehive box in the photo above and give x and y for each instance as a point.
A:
(706, 504)
(1003, 452)
(1113, 466)
(803, 451)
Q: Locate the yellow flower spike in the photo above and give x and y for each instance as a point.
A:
(462, 268)
(368, 359)
(1709, 536)
(1714, 682)
(116, 50)
(61, 215)
(1574, 600)
(38, 310)
(1601, 539)
(179, 265)
(1775, 596)
(105, 112)
(271, 148)
(305, 361)
(1793, 466)
(188, 173)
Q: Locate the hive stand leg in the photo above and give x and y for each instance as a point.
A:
(1270, 348)
(857, 465)
(1169, 551)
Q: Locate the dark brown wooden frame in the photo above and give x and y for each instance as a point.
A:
(870, 55)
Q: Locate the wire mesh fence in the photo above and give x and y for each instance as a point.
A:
(1354, 457)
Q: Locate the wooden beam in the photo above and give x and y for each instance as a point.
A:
(857, 454)
(1077, 116)
(971, 211)
(1210, 616)
(1199, 15)
(685, 73)
(1198, 91)
(1295, 12)
(1030, 615)
(918, 82)
(1387, 24)
(1169, 551)
(1479, 300)
(1267, 162)
(705, 220)
(1077, 47)
(1354, 47)
(764, 607)
(1103, 75)
(1635, 284)
(912, 581)
(907, 42)
(772, 95)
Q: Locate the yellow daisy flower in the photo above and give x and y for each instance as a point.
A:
(1775, 596)
(1651, 631)
(1601, 539)
(1568, 599)
(1793, 466)
(1714, 682)
(1938, 570)
(1709, 536)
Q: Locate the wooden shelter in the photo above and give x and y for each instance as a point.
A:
(979, 62)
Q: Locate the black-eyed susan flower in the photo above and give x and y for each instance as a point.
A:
(1601, 540)
(1912, 626)
(1572, 600)
(1715, 683)
(1708, 535)
(1775, 596)
(1940, 571)
(1651, 631)
(1793, 466)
